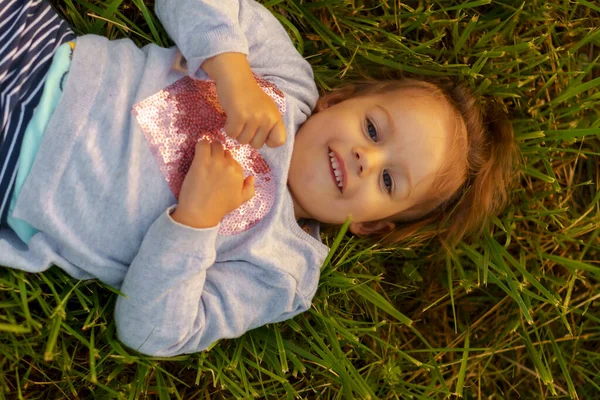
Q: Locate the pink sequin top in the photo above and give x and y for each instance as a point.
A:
(177, 117)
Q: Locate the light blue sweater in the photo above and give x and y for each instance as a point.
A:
(101, 203)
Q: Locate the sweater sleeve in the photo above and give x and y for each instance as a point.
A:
(179, 300)
(203, 28)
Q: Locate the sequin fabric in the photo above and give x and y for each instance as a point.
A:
(177, 117)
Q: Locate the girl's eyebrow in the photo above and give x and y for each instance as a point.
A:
(389, 122)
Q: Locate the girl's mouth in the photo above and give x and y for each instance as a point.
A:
(337, 169)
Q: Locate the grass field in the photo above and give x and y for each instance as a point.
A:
(513, 314)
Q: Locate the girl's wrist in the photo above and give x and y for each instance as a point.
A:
(226, 67)
(196, 222)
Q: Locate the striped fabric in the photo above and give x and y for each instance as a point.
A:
(30, 33)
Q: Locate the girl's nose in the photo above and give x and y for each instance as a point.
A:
(365, 160)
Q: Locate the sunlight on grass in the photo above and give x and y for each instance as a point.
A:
(511, 314)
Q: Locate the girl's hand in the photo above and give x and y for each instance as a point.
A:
(213, 187)
(252, 116)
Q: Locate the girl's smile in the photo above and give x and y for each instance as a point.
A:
(380, 156)
(338, 170)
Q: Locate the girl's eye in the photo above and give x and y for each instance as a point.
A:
(371, 130)
(387, 181)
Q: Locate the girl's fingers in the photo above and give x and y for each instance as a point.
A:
(248, 133)
(216, 148)
(259, 137)
(277, 135)
(248, 188)
(202, 149)
(234, 127)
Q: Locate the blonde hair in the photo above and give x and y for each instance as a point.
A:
(484, 151)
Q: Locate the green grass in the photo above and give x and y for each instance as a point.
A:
(512, 314)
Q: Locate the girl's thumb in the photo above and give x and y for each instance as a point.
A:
(248, 188)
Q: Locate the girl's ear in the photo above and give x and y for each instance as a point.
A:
(371, 228)
(323, 103)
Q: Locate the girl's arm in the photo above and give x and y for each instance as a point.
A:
(202, 29)
(178, 300)
(209, 35)
(252, 116)
(222, 32)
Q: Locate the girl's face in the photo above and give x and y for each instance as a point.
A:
(387, 150)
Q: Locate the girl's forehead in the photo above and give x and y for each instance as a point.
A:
(424, 130)
(414, 98)
(406, 102)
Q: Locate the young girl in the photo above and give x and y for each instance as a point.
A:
(145, 168)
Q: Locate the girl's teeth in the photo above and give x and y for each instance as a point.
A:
(335, 165)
